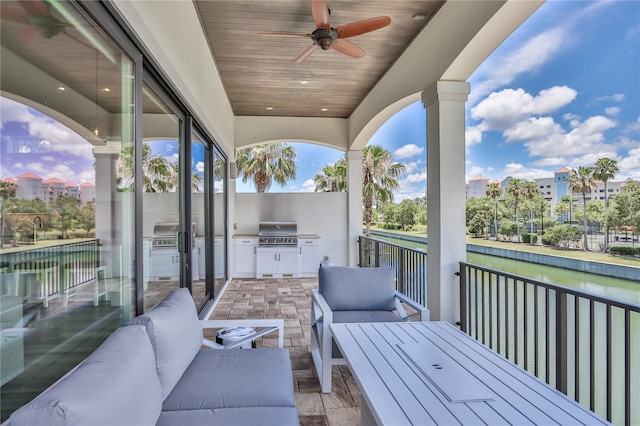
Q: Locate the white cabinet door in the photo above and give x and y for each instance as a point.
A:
(246, 257)
(202, 267)
(277, 262)
(218, 256)
(288, 263)
(267, 262)
(309, 260)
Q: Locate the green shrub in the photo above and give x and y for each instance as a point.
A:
(625, 250)
(563, 236)
(528, 237)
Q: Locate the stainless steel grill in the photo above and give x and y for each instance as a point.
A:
(277, 234)
(165, 236)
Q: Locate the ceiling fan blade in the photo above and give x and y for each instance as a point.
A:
(78, 40)
(320, 12)
(304, 55)
(285, 35)
(13, 15)
(29, 35)
(362, 27)
(35, 8)
(348, 48)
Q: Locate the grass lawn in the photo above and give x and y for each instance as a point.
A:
(575, 254)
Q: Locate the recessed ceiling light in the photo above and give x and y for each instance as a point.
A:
(324, 109)
(419, 16)
(62, 88)
(269, 108)
(106, 89)
(304, 82)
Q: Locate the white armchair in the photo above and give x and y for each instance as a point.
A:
(350, 295)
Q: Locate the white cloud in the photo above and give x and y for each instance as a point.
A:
(415, 178)
(630, 165)
(532, 129)
(504, 109)
(612, 111)
(529, 57)
(408, 151)
(587, 138)
(519, 171)
(551, 161)
(412, 166)
(590, 159)
(474, 171)
(472, 136)
(199, 166)
(308, 186)
(61, 138)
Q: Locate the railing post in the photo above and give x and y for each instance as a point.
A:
(463, 297)
(561, 341)
(402, 267)
(376, 254)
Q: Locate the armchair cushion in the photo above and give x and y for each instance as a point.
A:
(176, 336)
(357, 289)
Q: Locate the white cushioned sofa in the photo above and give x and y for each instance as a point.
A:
(155, 371)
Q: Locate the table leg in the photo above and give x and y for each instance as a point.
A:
(366, 418)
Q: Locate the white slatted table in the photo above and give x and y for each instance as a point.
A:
(389, 361)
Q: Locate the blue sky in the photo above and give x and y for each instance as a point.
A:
(562, 90)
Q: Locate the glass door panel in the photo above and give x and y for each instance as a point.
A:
(200, 159)
(219, 221)
(67, 231)
(160, 202)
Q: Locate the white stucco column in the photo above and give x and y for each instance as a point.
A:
(446, 241)
(354, 203)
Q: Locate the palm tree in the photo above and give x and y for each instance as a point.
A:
(379, 179)
(494, 191)
(7, 190)
(530, 190)
(266, 163)
(582, 180)
(516, 190)
(606, 169)
(333, 177)
(159, 174)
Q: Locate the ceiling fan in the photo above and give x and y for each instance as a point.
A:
(325, 36)
(42, 24)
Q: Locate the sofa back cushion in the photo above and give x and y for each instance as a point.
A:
(116, 385)
(357, 289)
(175, 334)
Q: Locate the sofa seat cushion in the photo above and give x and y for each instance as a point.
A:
(116, 385)
(361, 289)
(176, 335)
(232, 416)
(234, 378)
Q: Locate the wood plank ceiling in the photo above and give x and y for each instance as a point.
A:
(259, 73)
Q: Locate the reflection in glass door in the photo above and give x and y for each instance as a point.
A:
(219, 221)
(200, 161)
(162, 134)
